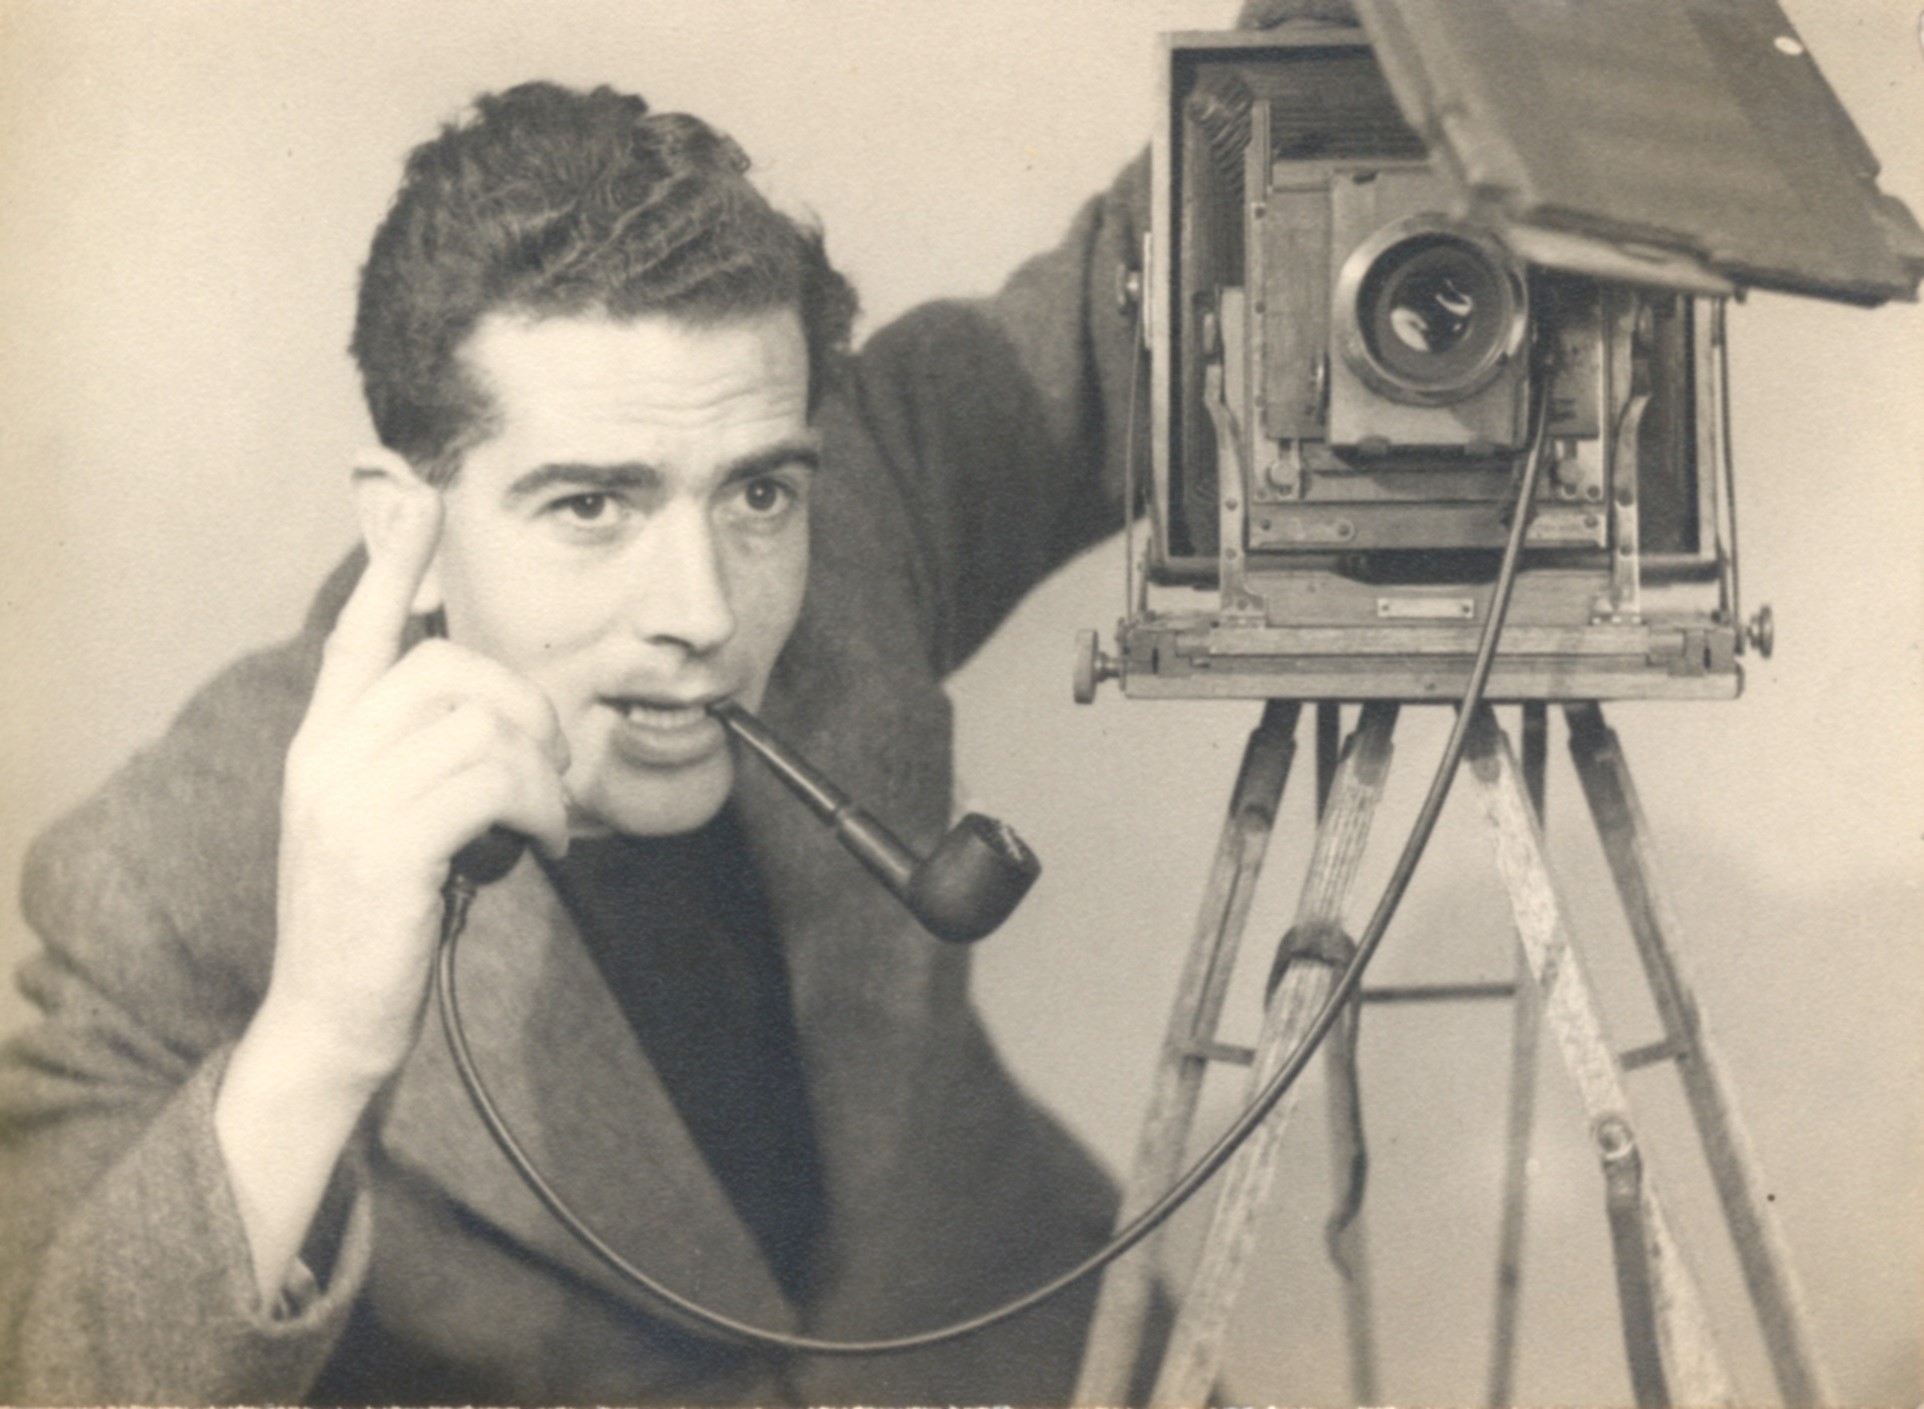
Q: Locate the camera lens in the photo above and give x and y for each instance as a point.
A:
(1430, 305)
(1434, 310)
(1433, 313)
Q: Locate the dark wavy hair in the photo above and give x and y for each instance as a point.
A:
(547, 201)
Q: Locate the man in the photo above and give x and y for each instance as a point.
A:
(628, 469)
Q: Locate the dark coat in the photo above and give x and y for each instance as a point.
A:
(971, 447)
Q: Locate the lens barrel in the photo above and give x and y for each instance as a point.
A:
(1429, 312)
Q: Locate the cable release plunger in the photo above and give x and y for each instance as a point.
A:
(963, 890)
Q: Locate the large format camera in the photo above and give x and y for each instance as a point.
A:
(1387, 261)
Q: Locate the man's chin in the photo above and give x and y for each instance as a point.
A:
(653, 803)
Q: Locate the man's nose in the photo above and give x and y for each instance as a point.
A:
(682, 596)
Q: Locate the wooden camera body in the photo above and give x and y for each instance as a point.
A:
(1378, 255)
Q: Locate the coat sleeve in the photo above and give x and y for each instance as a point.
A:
(125, 1274)
(1006, 421)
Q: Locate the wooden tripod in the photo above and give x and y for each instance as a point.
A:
(1671, 1352)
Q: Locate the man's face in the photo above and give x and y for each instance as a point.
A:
(634, 540)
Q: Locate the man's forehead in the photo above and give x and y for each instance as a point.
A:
(653, 361)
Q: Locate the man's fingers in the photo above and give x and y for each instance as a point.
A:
(437, 676)
(462, 737)
(401, 528)
(492, 792)
(464, 769)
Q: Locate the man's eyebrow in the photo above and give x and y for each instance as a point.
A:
(634, 474)
(806, 452)
(584, 477)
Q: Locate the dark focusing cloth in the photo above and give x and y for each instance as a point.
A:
(681, 931)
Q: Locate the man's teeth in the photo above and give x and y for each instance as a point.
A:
(661, 716)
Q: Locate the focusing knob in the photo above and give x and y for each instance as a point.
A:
(1761, 634)
(1092, 666)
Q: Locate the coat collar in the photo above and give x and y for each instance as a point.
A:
(569, 1077)
(878, 1009)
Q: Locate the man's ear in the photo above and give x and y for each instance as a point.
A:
(384, 484)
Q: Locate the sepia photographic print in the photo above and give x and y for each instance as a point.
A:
(899, 509)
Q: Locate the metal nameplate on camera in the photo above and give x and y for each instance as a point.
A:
(1426, 608)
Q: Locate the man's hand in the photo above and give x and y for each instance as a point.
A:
(401, 760)
(1267, 14)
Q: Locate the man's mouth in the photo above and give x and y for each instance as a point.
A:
(664, 732)
(659, 714)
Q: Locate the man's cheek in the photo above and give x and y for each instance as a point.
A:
(783, 610)
(586, 728)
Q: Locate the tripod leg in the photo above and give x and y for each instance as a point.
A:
(1122, 1308)
(1329, 738)
(1761, 1249)
(1526, 1025)
(1346, 1233)
(1689, 1355)
(1195, 1348)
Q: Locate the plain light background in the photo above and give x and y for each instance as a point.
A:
(186, 192)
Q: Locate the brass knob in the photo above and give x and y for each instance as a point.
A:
(1761, 632)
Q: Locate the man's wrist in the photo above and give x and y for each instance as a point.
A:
(311, 1057)
(288, 1102)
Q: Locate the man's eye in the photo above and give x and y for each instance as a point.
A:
(767, 498)
(584, 508)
